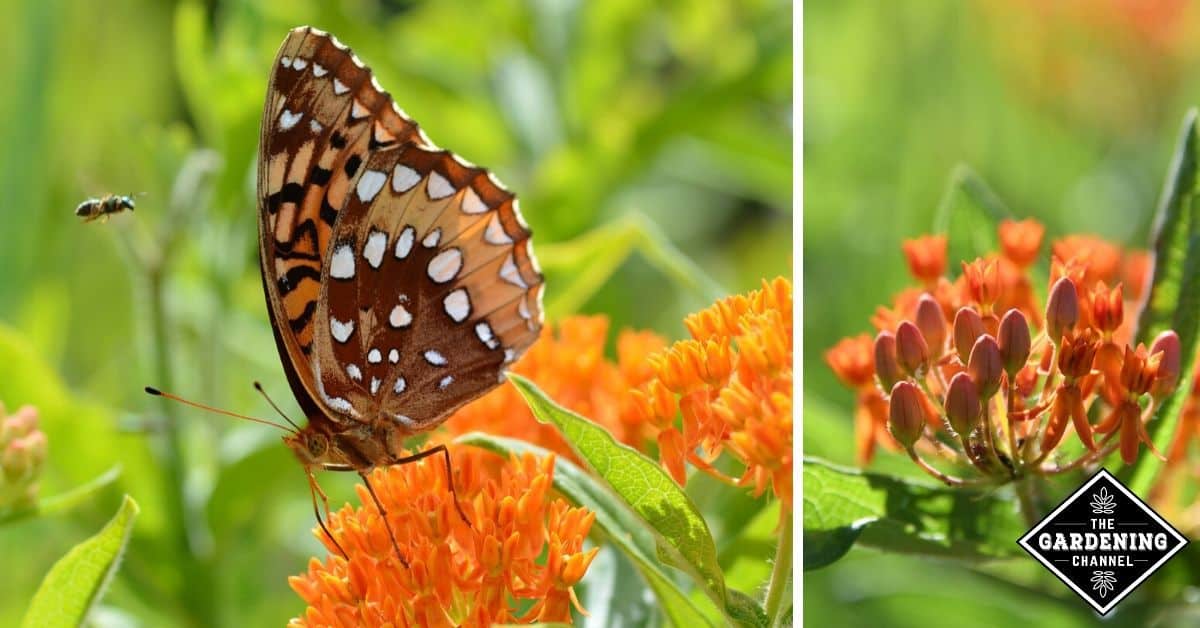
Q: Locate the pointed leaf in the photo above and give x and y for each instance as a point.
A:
(78, 580)
(843, 506)
(1174, 300)
(626, 531)
(680, 530)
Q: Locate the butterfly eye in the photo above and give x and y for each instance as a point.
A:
(317, 444)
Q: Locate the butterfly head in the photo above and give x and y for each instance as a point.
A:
(310, 446)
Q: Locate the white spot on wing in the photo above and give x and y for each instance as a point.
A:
(486, 336)
(373, 251)
(438, 186)
(319, 70)
(341, 331)
(288, 119)
(433, 238)
(471, 203)
(435, 358)
(339, 87)
(510, 273)
(374, 385)
(404, 178)
(445, 265)
(376, 85)
(300, 64)
(393, 356)
(353, 371)
(315, 126)
(495, 234)
(400, 317)
(369, 185)
(285, 62)
(339, 404)
(357, 110)
(405, 421)
(446, 381)
(523, 309)
(404, 243)
(399, 386)
(458, 305)
(342, 266)
(374, 356)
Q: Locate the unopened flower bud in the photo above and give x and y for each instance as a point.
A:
(962, 404)
(932, 324)
(22, 453)
(1062, 309)
(986, 366)
(1014, 341)
(887, 368)
(911, 349)
(968, 326)
(1167, 343)
(906, 415)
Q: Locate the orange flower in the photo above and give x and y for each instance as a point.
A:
(568, 363)
(1020, 241)
(732, 384)
(522, 544)
(926, 257)
(1100, 260)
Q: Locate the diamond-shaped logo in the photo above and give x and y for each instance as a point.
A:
(1103, 541)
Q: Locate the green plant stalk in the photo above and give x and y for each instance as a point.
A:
(781, 571)
(198, 590)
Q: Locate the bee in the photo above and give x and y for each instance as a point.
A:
(103, 207)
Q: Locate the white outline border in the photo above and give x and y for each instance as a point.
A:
(1103, 610)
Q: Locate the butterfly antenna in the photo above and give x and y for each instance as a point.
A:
(259, 388)
(158, 393)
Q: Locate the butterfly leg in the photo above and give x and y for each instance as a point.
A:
(383, 515)
(449, 473)
(314, 489)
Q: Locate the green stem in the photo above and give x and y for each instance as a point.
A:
(198, 590)
(781, 571)
(1030, 499)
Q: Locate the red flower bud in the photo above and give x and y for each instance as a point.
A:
(962, 404)
(906, 414)
(911, 349)
(887, 368)
(1062, 309)
(932, 324)
(986, 366)
(1014, 341)
(968, 326)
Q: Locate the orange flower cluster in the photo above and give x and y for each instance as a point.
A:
(976, 362)
(731, 386)
(522, 544)
(568, 363)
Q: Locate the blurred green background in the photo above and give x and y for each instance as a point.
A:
(678, 112)
(1069, 109)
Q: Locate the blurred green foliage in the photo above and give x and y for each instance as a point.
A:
(675, 116)
(1069, 111)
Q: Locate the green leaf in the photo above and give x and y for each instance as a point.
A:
(680, 531)
(1174, 301)
(625, 530)
(78, 580)
(63, 501)
(844, 506)
(968, 214)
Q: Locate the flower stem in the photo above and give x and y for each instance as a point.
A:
(781, 571)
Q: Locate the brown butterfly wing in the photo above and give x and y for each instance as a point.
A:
(345, 181)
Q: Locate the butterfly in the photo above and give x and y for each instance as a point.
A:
(103, 207)
(400, 278)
